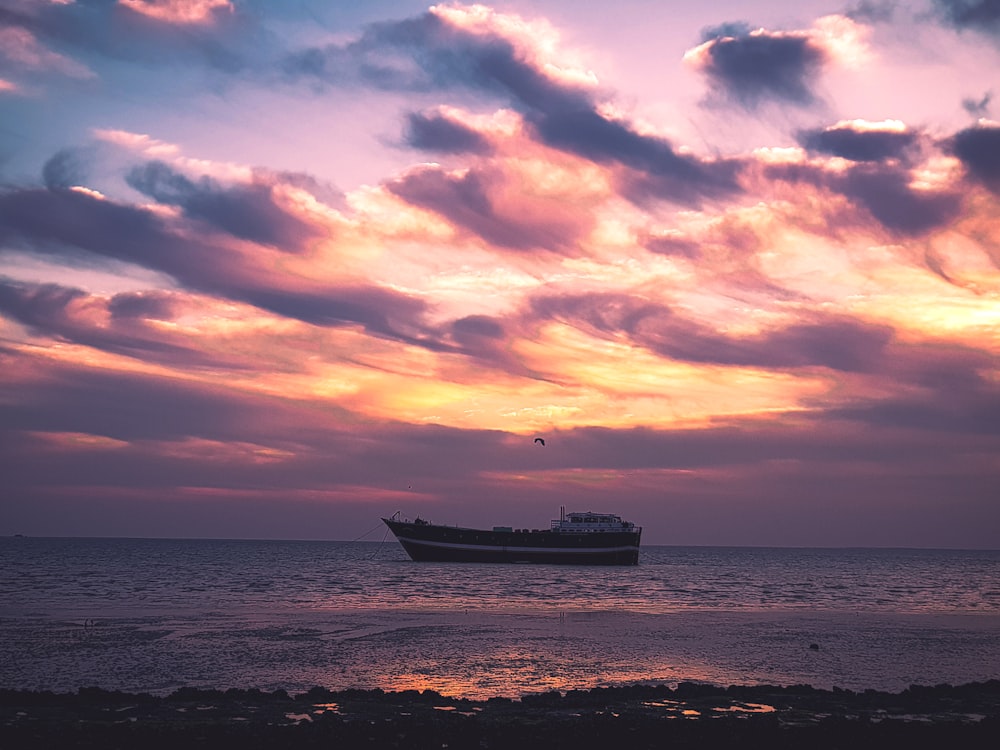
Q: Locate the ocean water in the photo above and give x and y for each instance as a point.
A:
(155, 615)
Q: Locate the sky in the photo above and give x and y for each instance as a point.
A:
(276, 269)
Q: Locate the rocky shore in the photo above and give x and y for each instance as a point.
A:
(690, 715)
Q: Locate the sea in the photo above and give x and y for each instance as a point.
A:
(154, 615)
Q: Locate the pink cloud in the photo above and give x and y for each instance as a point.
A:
(186, 12)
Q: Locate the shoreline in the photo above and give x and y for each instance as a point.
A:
(479, 655)
(688, 715)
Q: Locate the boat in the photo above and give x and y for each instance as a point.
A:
(573, 539)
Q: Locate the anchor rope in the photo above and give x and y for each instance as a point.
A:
(373, 528)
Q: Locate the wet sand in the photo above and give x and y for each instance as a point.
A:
(690, 715)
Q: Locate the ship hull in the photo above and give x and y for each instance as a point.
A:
(430, 543)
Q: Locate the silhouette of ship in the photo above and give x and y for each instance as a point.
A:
(574, 539)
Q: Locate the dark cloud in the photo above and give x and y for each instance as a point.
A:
(467, 201)
(486, 339)
(971, 410)
(68, 167)
(65, 221)
(38, 306)
(321, 448)
(883, 191)
(247, 211)
(434, 131)
(131, 406)
(104, 28)
(895, 204)
(427, 53)
(150, 305)
(979, 150)
(752, 68)
(978, 107)
(672, 246)
(859, 144)
(478, 326)
(659, 170)
(726, 29)
(47, 309)
(977, 15)
(937, 388)
(872, 11)
(838, 343)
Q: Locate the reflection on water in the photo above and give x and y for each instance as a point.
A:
(92, 575)
(155, 615)
(674, 709)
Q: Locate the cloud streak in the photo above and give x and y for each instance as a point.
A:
(473, 50)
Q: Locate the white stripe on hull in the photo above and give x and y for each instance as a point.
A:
(519, 548)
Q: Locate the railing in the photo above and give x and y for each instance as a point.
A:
(585, 526)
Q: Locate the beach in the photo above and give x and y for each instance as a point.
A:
(643, 716)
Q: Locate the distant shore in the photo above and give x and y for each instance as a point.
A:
(690, 715)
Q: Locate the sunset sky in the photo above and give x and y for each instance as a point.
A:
(277, 268)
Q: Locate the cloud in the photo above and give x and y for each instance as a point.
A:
(117, 326)
(142, 305)
(21, 50)
(179, 11)
(446, 48)
(760, 66)
(890, 197)
(250, 211)
(973, 409)
(658, 170)
(835, 342)
(978, 107)
(67, 168)
(484, 202)
(872, 11)
(133, 406)
(978, 148)
(671, 243)
(477, 50)
(486, 339)
(105, 228)
(753, 67)
(861, 141)
(179, 31)
(436, 131)
(886, 191)
(976, 15)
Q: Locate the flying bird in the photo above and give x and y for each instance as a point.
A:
(539, 440)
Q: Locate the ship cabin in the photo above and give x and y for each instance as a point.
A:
(591, 522)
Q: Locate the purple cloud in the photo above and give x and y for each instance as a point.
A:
(864, 144)
(428, 53)
(888, 196)
(467, 201)
(659, 171)
(753, 67)
(977, 15)
(48, 309)
(67, 168)
(104, 228)
(433, 131)
(106, 29)
(250, 212)
(883, 191)
(978, 148)
(838, 343)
